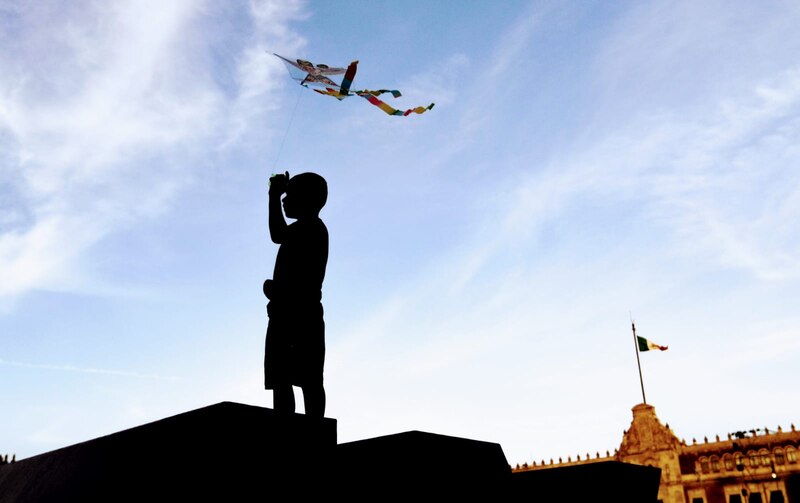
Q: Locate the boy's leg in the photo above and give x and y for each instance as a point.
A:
(283, 398)
(314, 400)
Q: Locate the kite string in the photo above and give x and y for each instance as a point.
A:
(286, 133)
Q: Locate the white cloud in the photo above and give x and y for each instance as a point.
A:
(88, 370)
(106, 112)
(720, 178)
(258, 72)
(39, 256)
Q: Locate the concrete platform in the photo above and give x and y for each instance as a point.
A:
(420, 466)
(602, 481)
(221, 452)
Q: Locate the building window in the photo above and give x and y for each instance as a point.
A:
(704, 465)
(739, 461)
(696, 496)
(779, 459)
(791, 455)
(735, 498)
(714, 464)
(776, 497)
(765, 460)
(728, 460)
(754, 498)
(753, 459)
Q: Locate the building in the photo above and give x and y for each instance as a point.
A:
(756, 466)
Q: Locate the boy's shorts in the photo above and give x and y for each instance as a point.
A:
(294, 353)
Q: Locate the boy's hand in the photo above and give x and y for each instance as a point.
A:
(278, 183)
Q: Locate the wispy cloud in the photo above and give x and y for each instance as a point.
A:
(468, 86)
(106, 110)
(258, 73)
(718, 173)
(89, 370)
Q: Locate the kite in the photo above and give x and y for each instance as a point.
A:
(307, 73)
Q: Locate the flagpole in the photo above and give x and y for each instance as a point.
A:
(638, 364)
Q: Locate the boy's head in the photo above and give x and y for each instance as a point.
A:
(306, 194)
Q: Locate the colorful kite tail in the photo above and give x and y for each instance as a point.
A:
(394, 92)
(419, 110)
(393, 111)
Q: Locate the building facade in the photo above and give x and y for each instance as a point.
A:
(756, 466)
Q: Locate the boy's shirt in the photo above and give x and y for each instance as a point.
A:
(300, 266)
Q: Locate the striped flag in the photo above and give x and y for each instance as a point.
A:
(645, 345)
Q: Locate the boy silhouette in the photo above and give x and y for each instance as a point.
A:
(295, 347)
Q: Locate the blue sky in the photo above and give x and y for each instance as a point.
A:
(584, 161)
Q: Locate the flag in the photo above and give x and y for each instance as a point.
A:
(645, 345)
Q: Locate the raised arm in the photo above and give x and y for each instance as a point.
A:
(277, 224)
